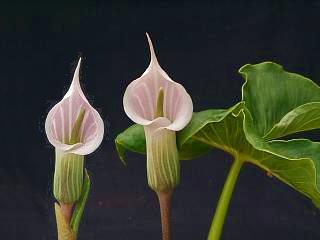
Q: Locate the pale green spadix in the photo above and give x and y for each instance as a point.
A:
(75, 133)
(163, 168)
(68, 175)
(159, 109)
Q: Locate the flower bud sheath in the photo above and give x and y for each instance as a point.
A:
(163, 168)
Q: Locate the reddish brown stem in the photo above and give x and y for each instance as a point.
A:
(165, 203)
(66, 210)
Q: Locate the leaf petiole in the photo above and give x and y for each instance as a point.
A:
(224, 200)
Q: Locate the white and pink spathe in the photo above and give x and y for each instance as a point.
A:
(140, 98)
(61, 118)
(140, 104)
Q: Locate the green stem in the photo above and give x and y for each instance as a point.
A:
(224, 200)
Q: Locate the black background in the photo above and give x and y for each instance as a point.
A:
(201, 45)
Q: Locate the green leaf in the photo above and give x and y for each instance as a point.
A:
(275, 104)
(225, 131)
(280, 102)
(308, 153)
(188, 141)
(192, 149)
(302, 118)
(80, 204)
(297, 170)
(132, 139)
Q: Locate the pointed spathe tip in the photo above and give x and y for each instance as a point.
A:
(148, 35)
(78, 66)
(75, 84)
(152, 53)
(149, 40)
(76, 72)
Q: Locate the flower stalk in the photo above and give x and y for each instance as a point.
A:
(63, 225)
(224, 200)
(165, 205)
